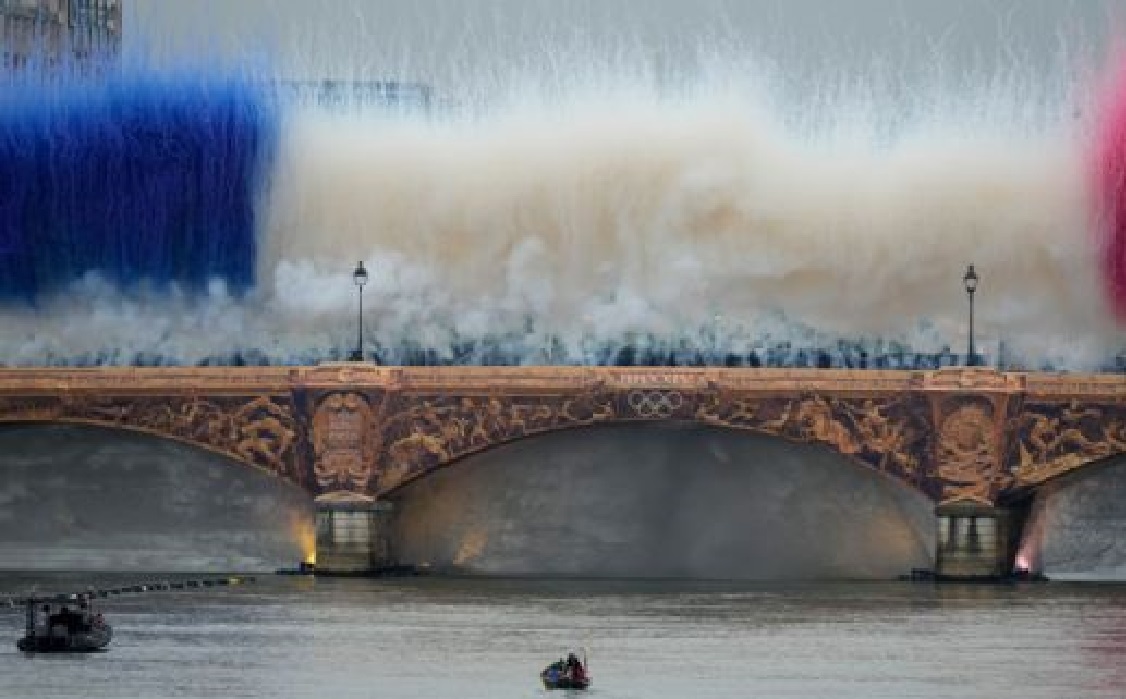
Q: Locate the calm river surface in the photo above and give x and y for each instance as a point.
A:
(299, 637)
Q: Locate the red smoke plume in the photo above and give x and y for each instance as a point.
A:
(1109, 170)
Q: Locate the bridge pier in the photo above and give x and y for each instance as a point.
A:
(976, 541)
(353, 536)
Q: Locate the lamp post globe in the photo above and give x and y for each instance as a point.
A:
(970, 280)
(360, 277)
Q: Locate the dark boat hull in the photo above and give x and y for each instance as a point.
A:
(94, 640)
(563, 682)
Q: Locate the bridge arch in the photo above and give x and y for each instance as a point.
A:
(1051, 439)
(255, 431)
(93, 495)
(1059, 471)
(853, 459)
(665, 499)
(1075, 521)
(888, 434)
(242, 457)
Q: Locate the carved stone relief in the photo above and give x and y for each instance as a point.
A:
(957, 433)
(887, 434)
(967, 459)
(343, 438)
(260, 430)
(1052, 438)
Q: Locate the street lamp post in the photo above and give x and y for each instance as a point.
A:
(360, 277)
(717, 328)
(970, 280)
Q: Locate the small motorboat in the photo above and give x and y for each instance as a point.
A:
(63, 630)
(566, 674)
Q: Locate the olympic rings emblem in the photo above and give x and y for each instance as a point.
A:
(654, 404)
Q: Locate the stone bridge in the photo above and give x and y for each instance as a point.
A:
(350, 434)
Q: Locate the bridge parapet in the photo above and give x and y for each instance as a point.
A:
(1072, 386)
(198, 380)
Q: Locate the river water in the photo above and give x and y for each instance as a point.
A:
(429, 637)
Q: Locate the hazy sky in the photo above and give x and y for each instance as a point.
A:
(443, 40)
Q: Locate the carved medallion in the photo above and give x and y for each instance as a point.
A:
(967, 453)
(341, 442)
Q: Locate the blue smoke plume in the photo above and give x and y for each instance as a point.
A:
(141, 179)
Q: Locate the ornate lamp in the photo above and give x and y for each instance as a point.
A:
(970, 281)
(360, 277)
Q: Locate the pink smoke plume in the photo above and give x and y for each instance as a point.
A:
(1109, 169)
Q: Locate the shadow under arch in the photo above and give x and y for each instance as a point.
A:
(663, 499)
(95, 496)
(1076, 522)
(246, 459)
(419, 455)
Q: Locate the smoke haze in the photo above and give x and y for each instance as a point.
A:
(591, 175)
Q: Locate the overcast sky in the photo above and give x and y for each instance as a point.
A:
(438, 40)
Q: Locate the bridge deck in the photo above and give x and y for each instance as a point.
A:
(502, 379)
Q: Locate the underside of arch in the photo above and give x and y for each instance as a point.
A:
(1077, 522)
(427, 459)
(85, 496)
(259, 430)
(241, 460)
(890, 434)
(663, 499)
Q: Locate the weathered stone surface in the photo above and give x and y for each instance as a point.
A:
(961, 434)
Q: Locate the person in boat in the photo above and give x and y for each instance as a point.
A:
(44, 628)
(556, 670)
(72, 620)
(575, 669)
(68, 619)
(57, 619)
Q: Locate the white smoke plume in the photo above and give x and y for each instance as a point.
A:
(590, 204)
